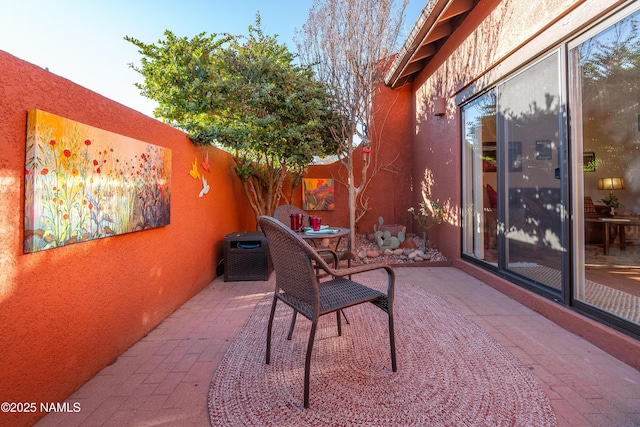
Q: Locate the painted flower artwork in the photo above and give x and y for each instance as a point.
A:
(84, 183)
(317, 194)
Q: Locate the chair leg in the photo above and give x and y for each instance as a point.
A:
(339, 321)
(345, 317)
(293, 324)
(307, 363)
(269, 328)
(392, 342)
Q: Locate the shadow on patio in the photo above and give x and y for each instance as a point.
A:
(164, 378)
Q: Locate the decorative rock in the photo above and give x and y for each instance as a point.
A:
(373, 254)
(398, 252)
(388, 252)
(409, 244)
(362, 254)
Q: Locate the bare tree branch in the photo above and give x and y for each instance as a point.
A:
(348, 43)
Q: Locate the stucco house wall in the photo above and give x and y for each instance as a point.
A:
(66, 313)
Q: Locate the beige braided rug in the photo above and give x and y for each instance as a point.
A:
(450, 372)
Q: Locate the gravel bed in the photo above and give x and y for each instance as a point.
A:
(410, 251)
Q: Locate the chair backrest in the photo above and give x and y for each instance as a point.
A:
(589, 207)
(293, 261)
(283, 214)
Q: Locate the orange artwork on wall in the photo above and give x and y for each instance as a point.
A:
(84, 183)
(318, 194)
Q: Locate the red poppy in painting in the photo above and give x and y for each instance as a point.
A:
(95, 163)
(52, 142)
(44, 171)
(67, 153)
(87, 142)
(98, 170)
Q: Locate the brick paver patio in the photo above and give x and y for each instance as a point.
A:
(163, 380)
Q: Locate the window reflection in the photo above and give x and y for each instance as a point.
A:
(607, 70)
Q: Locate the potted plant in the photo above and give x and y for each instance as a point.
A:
(612, 203)
(428, 215)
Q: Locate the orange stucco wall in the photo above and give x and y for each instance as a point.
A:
(66, 313)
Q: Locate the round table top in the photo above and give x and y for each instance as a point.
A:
(340, 232)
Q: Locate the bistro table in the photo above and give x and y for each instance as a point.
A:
(325, 233)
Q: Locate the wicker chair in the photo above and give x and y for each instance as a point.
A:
(297, 286)
(283, 214)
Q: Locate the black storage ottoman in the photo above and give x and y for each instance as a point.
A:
(246, 257)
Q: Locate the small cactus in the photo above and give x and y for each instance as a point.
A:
(394, 242)
(385, 239)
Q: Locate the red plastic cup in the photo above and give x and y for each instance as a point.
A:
(296, 221)
(315, 222)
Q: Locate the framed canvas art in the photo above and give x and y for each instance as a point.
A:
(543, 150)
(318, 194)
(83, 183)
(489, 157)
(589, 161)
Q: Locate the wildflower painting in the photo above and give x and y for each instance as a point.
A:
(317, 194)
(83, 183)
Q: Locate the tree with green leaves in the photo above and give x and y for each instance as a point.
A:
(246, 95)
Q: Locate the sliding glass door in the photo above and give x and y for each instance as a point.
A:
(513, 160)
(532, 146)
(605, 89)
(520, 165)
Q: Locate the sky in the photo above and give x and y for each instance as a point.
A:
(83, 40)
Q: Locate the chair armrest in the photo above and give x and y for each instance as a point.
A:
(329, 251)
(391, 274)
(322, 265)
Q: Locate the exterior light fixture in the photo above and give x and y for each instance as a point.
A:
(439, 106)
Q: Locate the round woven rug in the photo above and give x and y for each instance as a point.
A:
(450, 372)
